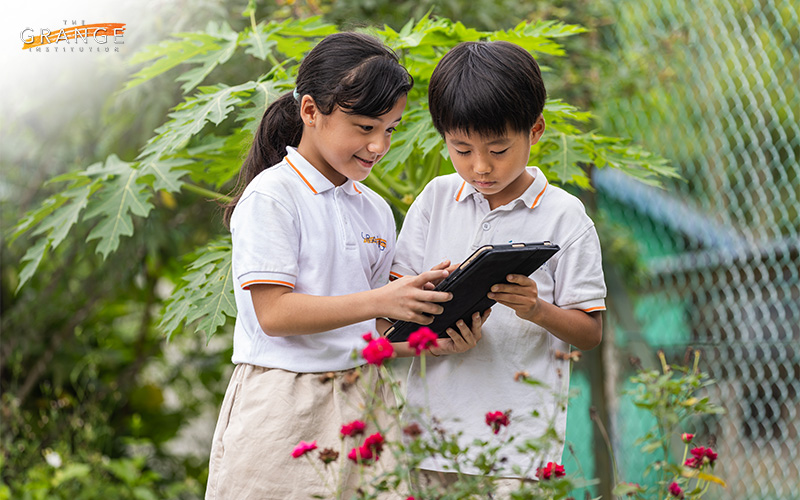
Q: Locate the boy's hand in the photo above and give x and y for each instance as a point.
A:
(410, 299)
(521, 295)
(463, 340)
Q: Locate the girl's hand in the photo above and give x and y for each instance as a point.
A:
(463, 340)
(521, 295)
(444, 265)
(411, 298)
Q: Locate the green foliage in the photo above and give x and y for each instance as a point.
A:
(206, 295)
(673, 396)
(197, 145)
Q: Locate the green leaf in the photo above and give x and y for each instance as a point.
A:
(54, 220)
(120, 197)
(227, 41)
(170, 54)
(562, 155)
(211, 104)
(417, 135)
(206, 294)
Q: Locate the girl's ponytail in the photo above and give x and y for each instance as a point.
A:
(280, 126)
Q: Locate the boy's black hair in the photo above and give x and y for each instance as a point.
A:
(486, 87)
(352, 71)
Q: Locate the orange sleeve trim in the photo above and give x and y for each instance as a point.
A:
(301, 176)
(460, 190)
(395, 275)
(540, 194)
(592, 309)
(247, 284)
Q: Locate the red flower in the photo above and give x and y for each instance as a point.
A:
(496, 420)
(361, 454)
(303, 448)
(675, 490)
(375, 443)
(700, 457)
(367, 336)
(354, 428)
(686, 437)
(422, 340)
(550, 470)
(369, 451)
(377, 351)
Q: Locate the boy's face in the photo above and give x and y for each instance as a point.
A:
(494, 165)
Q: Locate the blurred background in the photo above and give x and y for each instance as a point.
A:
(93, 394)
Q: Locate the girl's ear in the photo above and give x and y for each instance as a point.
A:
(308, 110)
(537, 130)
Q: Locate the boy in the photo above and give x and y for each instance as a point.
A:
(486, 99)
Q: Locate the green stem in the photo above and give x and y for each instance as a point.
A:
(319, 473)
(194, 188)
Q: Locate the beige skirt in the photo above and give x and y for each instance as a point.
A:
(267, 412)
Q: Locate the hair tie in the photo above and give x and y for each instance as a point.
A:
(296, 94)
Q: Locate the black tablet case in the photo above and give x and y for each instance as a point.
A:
(472, 281)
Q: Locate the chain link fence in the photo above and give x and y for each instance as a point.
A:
(713, 86)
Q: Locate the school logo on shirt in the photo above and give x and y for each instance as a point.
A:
(374, 239)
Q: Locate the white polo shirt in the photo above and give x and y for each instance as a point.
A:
(293, 227)
(449, 220)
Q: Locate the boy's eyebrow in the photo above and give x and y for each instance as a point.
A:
(493, 142)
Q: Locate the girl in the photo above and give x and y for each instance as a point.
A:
(312, 249)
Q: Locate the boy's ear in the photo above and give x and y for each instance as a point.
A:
(308, 110)
(537, 130)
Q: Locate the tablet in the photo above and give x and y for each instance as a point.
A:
(471, 281)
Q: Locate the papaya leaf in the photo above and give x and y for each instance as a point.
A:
(120, 197)
(211, 104)
(416, 135)
(53, 221)
(170, 54)
(124, 192)
(227, 40)
(563, 155)
(205, 295)
(253, 107)
(538, 36)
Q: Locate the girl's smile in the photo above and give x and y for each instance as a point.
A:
(345, 146)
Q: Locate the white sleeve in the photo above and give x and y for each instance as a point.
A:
(579, 282)
(265, 242)
(410, 254)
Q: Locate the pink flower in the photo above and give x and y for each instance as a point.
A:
(686, 437)
(377, 351)
(422, 340)
(367, 336)
(303, 448)
(496, 420)
(675, 490)
(354, 428)
(550, 470)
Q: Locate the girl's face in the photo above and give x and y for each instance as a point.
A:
(344, 146)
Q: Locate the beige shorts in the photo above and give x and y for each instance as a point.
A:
(267, 412)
